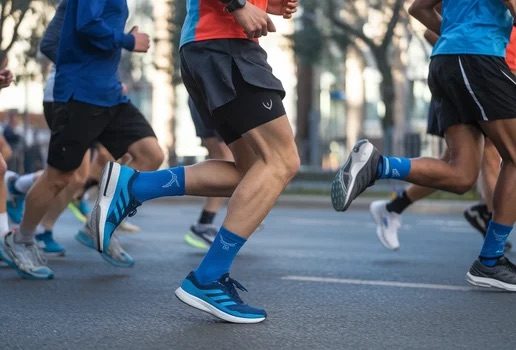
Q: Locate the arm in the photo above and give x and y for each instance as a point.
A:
(431, 37)
(91, 25)
(50, 42)
(285, 8)
(425, 12)
(511, 5)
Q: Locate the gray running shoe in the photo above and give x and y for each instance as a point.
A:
(27, 258)
(501, 276)
(358, 173)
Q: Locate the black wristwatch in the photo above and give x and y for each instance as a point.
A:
(233, 5)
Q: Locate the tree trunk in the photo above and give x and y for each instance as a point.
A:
(305, 87)
(388, 96)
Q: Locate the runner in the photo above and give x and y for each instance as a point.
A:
(477, 92)
(6, 78)
(227, 75)
(89, 107)
(387, 214)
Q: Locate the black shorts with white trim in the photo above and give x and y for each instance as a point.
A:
(471, 89)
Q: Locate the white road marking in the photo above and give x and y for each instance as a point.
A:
(378, 283)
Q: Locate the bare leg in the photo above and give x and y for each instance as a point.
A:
(459, 174)
(59, 204)
(503, 135)
(489, 173)
(216, 150)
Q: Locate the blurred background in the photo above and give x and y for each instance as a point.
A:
(351, 69)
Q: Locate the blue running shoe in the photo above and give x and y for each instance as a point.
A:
(220, 299)
(114, 203)
(115, 255)
(48, 244)
(15, 201)
(4, 257)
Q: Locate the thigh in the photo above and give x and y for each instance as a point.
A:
(503, 135)
(273, 140)
(75, 127)
(127, 126)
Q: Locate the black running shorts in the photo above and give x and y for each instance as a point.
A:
(76, 126)
(201, 129)
(472, 89)
(433, 119)
(231, 85)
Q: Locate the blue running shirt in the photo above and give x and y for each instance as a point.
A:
(475, 27)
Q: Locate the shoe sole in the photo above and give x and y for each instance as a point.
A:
(195, 242)
(110, 176)
(485, 282)
(379, 233)
(202, 305)
(342, 195)
(90, 245)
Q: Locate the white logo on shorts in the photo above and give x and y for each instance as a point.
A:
(268, 105)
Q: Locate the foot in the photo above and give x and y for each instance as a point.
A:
(15, 201)
(501, 276)
(387, 224)
(115, 255)
(27, 258)
(201, 236)
(479, 216)
(220, 299)
(114, 203)
(126, 226)
(358, 173)
(48, 244)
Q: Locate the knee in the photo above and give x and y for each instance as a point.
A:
(464, 183)
(287, 164)
(154, 160)
(57, 181)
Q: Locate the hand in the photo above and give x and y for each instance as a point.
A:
(6, 78)
(141, 40)
(255, 21)
(285, 8)
(511, 5)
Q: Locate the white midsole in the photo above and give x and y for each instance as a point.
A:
(200, 304)
(106, 198)
(358, 160)
(489, 283)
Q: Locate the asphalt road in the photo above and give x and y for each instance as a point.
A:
(322, 276)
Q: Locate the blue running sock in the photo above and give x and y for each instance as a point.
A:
(393, 168)
(161, 183)
(494, 244)
(219, 258)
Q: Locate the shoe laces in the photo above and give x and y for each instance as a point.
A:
(232, 286)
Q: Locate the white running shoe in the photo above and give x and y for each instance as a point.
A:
(387, 224)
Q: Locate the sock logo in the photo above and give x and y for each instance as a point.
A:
(226, 245)
(268, 105)
(172, 181)
(395, 173)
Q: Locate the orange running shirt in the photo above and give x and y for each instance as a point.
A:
(206, 19)
(510, 54)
